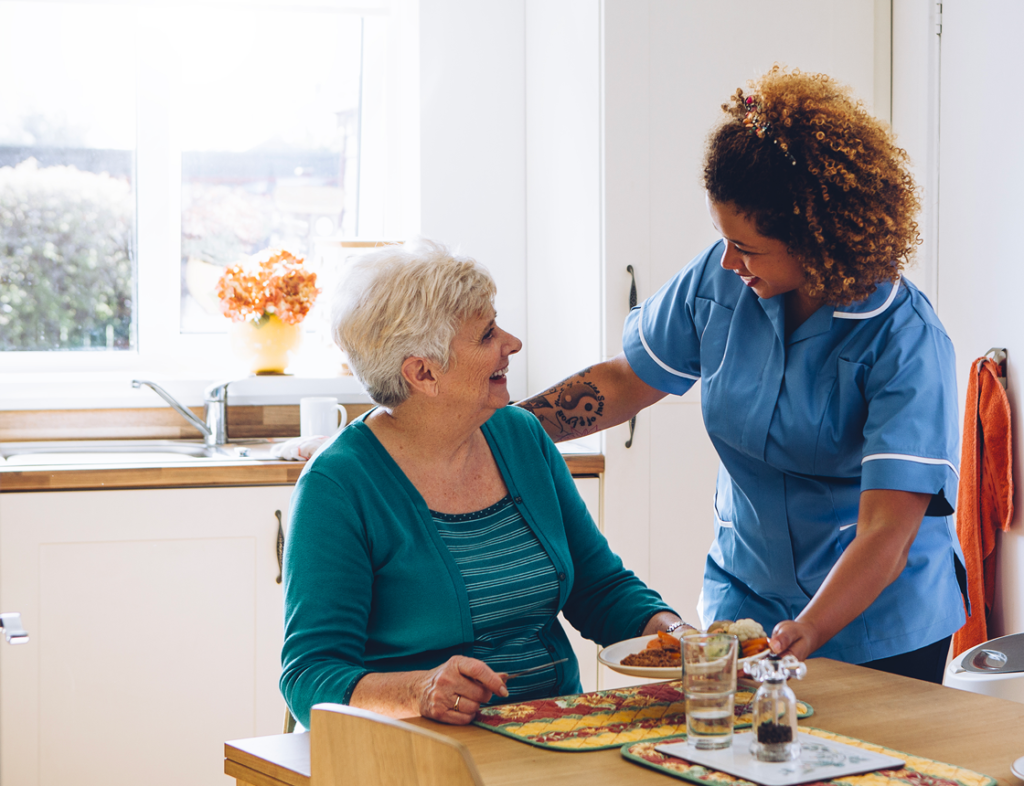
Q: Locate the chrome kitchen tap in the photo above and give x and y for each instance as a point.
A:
(215, 397)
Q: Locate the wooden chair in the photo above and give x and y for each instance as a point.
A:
(353, 746)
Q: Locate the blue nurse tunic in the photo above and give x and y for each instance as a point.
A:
(857, 397)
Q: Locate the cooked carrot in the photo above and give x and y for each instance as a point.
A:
(668, 641)
(754, 646)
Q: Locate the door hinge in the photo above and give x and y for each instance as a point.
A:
(938, 19)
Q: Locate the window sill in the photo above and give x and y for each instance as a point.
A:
(113, 390)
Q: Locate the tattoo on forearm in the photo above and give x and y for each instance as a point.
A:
(569, 409)
(585, 401)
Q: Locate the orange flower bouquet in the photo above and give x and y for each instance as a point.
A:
(267, 298)
(252, 291)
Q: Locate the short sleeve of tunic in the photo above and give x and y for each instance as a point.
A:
(911, 436)
(662, 336)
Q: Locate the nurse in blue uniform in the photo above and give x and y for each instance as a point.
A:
(827, 385)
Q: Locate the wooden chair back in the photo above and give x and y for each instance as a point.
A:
(353, 746)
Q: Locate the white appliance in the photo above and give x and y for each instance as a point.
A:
(994, 668)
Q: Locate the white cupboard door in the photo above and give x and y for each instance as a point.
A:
(155, 620)
(586, 650)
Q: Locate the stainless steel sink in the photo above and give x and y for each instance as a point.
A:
(130, 452)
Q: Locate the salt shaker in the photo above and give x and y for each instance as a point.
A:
(775, 729)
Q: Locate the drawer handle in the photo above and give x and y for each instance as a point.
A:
(632, 304)
(280, 546)
(11, 623)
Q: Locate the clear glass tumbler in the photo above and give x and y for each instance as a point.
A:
(709, 683)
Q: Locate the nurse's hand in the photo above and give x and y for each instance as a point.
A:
(798, 639)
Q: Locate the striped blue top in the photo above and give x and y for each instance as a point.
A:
(513, 592)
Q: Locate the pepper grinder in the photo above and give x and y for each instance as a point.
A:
(775, 729)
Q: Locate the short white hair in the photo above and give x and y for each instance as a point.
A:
(398, 302)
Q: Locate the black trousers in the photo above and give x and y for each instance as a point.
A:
(927, 663)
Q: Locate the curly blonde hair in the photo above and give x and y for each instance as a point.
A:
(815, 170)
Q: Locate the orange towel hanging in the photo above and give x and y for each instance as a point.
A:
(985, 497)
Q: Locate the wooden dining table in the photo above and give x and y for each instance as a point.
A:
(980, 733)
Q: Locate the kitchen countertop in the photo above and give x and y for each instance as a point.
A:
(199, 473)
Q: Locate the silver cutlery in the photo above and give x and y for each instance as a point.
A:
(536, 668)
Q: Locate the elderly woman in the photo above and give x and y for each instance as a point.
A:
(827, 384)
(434, 540)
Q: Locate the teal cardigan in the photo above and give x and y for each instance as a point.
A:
(370, 586)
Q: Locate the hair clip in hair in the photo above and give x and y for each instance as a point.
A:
(756, 123)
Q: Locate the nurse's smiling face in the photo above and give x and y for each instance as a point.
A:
(763, 263)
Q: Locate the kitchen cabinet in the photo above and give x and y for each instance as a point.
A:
(154, 616)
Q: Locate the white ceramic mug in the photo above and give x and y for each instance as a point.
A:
(320, 416)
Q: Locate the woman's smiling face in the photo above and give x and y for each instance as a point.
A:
(763, 263)
(480, 354)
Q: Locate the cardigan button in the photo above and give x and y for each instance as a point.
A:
(518, 500)
(561, 577)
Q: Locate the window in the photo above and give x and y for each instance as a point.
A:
(67, 185)
(154, 143)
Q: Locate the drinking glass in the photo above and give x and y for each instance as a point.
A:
(709, 684)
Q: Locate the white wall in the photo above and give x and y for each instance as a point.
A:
(915, 119)
(510, 148)
(980, 274)
(563, 188)
(473, 144)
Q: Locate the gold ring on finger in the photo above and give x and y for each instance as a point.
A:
(458, 698)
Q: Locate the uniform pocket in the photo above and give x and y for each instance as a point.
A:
(713, 321)
(843, 423)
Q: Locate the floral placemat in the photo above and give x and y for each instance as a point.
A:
(605, 718)
(916, 772)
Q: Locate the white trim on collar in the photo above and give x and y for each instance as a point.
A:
(877, 311)
(655, 358)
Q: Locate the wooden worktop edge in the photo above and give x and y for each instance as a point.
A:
(264, 473)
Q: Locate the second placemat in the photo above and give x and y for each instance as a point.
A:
(917, 771)
(605, 718)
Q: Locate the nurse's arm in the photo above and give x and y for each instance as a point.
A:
(887, 524)
(591, 400)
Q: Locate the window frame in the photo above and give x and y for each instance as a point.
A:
(160, 350)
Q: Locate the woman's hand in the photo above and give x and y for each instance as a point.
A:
(453, 692)
(793, 638)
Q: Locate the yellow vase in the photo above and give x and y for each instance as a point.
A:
(267, 345)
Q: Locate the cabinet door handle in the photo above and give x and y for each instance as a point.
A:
(11, 623)
(632, 304)
(280, 546)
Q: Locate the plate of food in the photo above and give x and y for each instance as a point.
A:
(658, 656)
